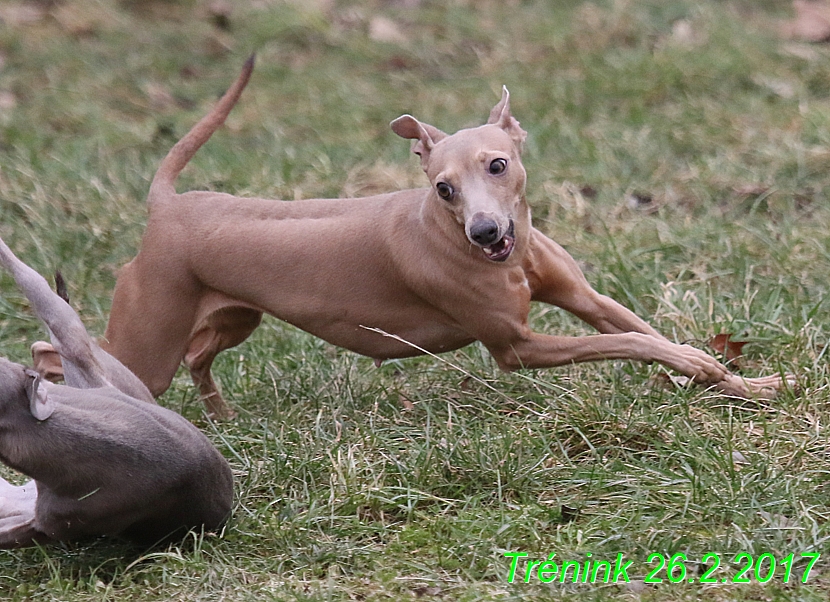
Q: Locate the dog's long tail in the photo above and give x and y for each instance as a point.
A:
(182, 152)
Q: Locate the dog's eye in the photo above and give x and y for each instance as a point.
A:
(444, 190)
(497, 166)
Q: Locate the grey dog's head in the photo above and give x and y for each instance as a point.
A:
(22, 392)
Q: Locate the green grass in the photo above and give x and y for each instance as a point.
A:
(410, 482)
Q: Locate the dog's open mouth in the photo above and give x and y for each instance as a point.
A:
(501, 249)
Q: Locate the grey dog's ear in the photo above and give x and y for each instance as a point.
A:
(425, 136)
(500, 116)
(40, 404)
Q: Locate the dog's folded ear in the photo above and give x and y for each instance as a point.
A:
(40, 404)
(500, 116)
(425, 136)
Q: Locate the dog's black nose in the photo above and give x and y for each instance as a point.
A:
(484, 232)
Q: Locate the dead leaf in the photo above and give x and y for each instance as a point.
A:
(8, 101)
(77, 20)
(406, 403)
(60, 286)
(635, 586)
(19, 14)
(802, 51)
(383, 29)
(588, 191)
(777, 86)
(218, 43)
(423, 590)
(683, 35)
(750, 189)
(220, 13)
(568, 514)
(314, 6)
(190, 72)
(641, 201)
(398, 62)
(682, 32)
(569, 196)
(380, 176)
(672, 380)
(159, 96)
(739, 458)
(811, 22)
(730, 349)
(778, 521)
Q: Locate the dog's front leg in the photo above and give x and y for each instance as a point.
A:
(534, 350)
(555, 278)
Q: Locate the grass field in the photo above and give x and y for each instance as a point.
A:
(679, 150)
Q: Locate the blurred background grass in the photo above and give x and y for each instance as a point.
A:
(679, 150)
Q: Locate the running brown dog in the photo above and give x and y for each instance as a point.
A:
(437, 267)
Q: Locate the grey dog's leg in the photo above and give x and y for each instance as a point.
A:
(17, 515)
(85, 364)
(66, 330)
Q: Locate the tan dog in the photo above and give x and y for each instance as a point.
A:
(438, 267)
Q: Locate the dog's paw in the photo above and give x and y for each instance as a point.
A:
(217, 408)
(764, 387)
(768, 387)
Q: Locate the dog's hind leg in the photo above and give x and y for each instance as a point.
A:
(221, 329)
(148, 333)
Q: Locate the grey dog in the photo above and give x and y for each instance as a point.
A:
(104, 458)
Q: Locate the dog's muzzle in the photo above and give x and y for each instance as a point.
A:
(498, 250)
